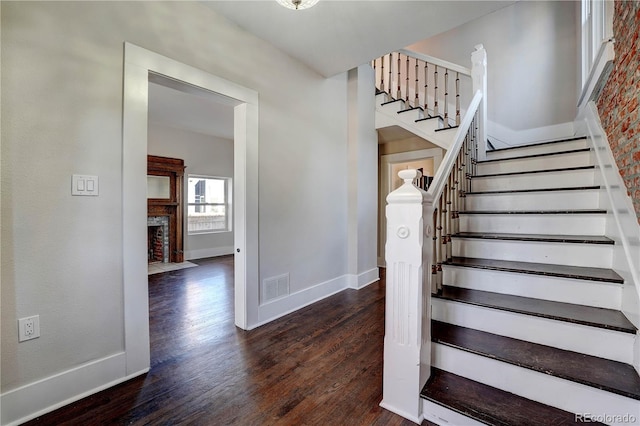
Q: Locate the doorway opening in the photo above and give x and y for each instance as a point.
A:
(140, 67)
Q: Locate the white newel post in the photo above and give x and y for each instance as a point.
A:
(407, 352)
(479, 81)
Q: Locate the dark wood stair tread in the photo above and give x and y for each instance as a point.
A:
(548, 238)
(446, 128)
(510, 191)
(392, 101)
(567, 211)
(609, 319)
(529, 156)
(577, 138)
(600, 373)
(527, 172)
(490, 405)
(531, 268)
(431, 117)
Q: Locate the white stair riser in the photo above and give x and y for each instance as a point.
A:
(546, 389)
(576, 159)
(381, 98)
(550, 200)
(440, 415)
(428, 125)
(540, 149)
(595, 255)
(610, 344)
(392, 108)
(568, 290)
(555, 224)
(411, 116)
(568, 179)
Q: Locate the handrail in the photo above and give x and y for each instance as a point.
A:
(436, 61)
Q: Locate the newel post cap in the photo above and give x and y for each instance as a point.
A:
(408, 192)
(409, 175)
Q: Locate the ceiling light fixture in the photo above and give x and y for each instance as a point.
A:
(297, 4)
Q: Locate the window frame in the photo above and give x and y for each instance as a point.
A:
(227, 204)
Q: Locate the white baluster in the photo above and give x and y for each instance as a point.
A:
(390, 75)
(382, 74)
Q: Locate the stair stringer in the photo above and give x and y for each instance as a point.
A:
(387, 117)
(622, 223)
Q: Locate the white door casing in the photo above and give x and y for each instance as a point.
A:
(138, 63)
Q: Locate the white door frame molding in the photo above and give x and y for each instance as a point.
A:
(138, 63)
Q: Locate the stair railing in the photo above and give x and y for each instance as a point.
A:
(419, 229)
(432, 84)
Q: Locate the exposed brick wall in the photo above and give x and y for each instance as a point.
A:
(618, 102)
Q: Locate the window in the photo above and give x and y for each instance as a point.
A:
(208, 204)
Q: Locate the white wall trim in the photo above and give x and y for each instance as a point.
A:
(284, 306)
(622, 223)
(503, 137)
(388, 407)
(34, 399)
(208, 252)
(622, 220)
(363, 279)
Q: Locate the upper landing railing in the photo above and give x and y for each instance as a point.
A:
(437, 87)
(419, 229)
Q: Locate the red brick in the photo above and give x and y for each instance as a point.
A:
(619, 100)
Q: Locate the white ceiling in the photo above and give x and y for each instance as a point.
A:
(332, 37)
(182, 106)
(337, 35)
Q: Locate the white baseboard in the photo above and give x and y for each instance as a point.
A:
(208, 252)
(35, 399)
(275, 309)
(622, 223)
(503, 137)
(416, 420)
(363, 279)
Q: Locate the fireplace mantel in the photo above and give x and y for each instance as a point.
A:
(173, 168)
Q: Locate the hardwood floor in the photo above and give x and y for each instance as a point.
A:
(320, 365)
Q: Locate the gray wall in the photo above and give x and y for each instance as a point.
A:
(532, 56)
(62, 65)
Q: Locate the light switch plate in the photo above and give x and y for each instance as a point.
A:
(84, 185)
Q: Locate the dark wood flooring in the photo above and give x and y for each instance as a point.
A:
(321, 365)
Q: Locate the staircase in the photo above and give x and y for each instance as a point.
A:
(397, 112)
(527, 327)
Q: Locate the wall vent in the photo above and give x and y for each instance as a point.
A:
(275, 288)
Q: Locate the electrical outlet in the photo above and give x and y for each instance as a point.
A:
(28, 328)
